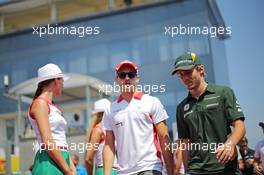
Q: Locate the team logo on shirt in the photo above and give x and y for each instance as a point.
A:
(119, 124)
(186, 107)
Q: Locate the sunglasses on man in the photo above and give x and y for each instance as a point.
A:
(122, 75)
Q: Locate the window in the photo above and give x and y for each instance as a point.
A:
(154, 47)
(78, 65)
(180, 95)
(78, 61)
(166, 98)
(178, 46)
(138, 49)
(199, 44)
(98, 58)
(119, 51)
(19, 73)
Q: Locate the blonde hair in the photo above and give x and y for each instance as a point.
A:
(96, 119)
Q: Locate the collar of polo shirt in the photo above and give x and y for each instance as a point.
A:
(137, 95)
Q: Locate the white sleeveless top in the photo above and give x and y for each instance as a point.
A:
(99, 154)
(58, 125)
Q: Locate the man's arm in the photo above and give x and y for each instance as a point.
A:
(181, 155)
(177, 158)
(233, 112)
(165, 144)
(183, 135)
(185, 153)
(109, 152)
(228, 151)
(257, 166)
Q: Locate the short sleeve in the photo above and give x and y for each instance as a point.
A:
(233, 110)
(158, 112)
(183, 132)
(107, 120)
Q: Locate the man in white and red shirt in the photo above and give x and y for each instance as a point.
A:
(136, 121)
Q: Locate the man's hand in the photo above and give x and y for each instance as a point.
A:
(258, 169)
(226, 152)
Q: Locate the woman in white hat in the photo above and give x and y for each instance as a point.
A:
(49, 125)
(96, 138)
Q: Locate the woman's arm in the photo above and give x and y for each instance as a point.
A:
(40, 111)
(95, 138)
(73, 168)
(109, 152)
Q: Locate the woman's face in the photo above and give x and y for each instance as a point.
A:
(58, 86)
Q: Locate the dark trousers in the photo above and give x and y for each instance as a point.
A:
(149, 172)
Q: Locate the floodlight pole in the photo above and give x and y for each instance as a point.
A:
(8, 157)
(88, 106)
(53, 11)
(2, 24)
(110, 4)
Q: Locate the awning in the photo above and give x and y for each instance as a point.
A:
(74, 88)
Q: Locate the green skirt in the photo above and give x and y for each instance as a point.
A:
(100, 171)
(43, 164)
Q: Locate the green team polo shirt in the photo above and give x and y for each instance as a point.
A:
(206, 123)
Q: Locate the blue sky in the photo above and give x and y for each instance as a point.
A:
(245, 56)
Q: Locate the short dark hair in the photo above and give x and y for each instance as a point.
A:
(246, 140)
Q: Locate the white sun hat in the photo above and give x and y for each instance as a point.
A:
(50, 71)
(101, 105)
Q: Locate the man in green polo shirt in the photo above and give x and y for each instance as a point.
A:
(204, 118)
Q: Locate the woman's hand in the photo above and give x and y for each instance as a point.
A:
(69, 171)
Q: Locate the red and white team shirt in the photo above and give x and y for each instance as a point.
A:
(133, 127)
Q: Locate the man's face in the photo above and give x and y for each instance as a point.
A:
(243, 145)
(127, 79)
(191, 78)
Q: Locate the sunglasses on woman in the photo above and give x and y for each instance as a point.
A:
(122, 75)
